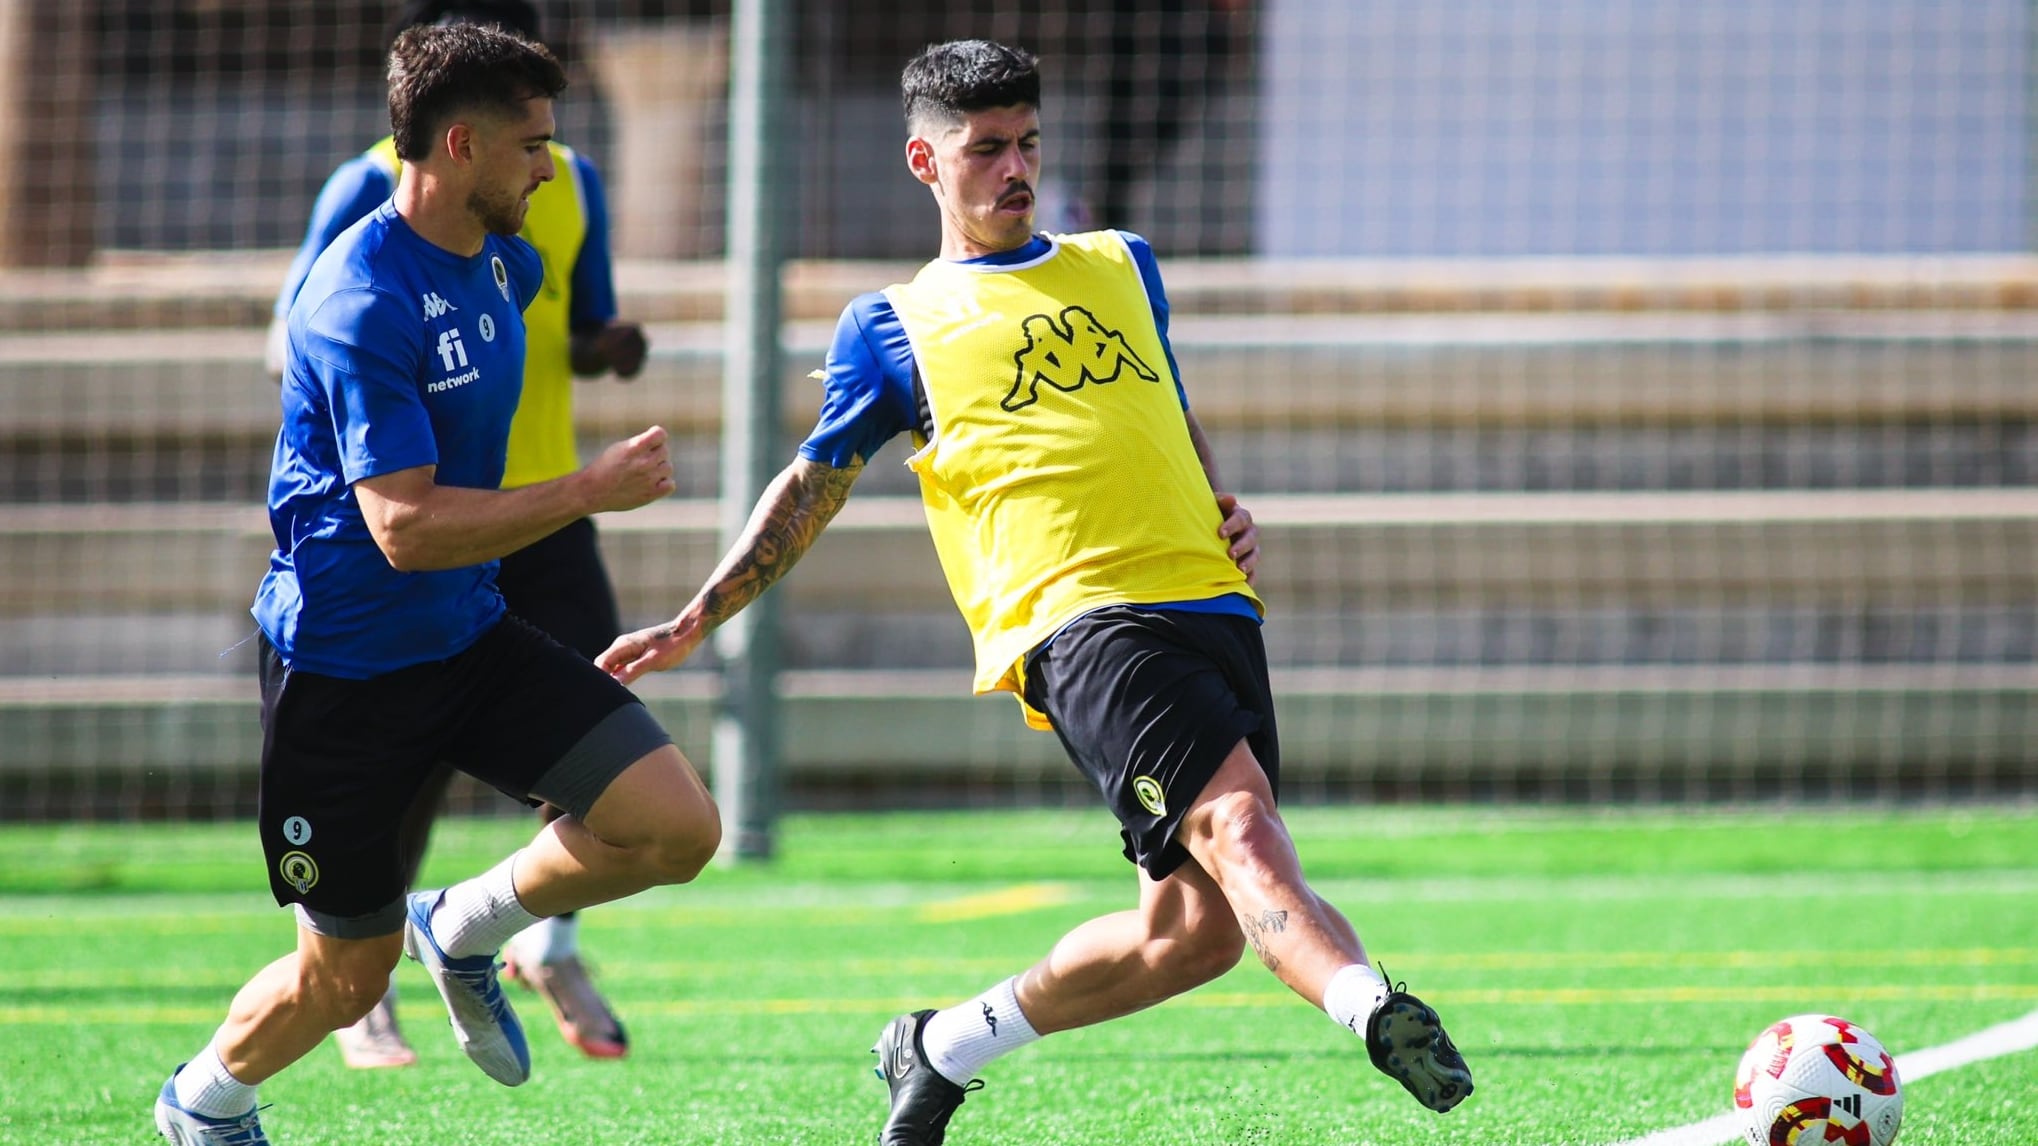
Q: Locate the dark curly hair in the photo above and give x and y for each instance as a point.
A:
(951, 80)
(438, 72)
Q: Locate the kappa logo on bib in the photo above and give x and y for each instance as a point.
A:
(1068, 353)
(1150, 795)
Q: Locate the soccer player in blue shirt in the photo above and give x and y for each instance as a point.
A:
(386, 650)
(557, 584)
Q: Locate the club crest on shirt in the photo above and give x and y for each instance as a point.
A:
(1067, 352)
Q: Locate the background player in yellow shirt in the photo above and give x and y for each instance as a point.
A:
(1106, 581)
(559, 583)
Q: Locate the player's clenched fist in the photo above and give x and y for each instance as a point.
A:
(634, 471)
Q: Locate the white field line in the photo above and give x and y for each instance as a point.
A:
(1991, 1042)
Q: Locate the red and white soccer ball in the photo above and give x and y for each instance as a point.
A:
(1814, 1080)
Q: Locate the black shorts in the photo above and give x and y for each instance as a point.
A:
(558, 584)
(1148, 703)
(343, 760)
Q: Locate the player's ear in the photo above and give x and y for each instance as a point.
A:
(920, 160)
(459, 143)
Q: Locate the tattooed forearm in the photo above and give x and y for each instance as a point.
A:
(1257, 928)
(798, 504)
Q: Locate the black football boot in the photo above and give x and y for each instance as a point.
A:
(922, 1100)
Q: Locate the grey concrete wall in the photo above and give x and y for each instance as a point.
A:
(1496, 127)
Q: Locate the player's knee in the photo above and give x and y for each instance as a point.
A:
(691, 841)
(680, 860)
(351, 999)
(345, 991)
(1245, 828)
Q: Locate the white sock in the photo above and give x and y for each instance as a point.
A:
(551, 940)
(477, 916)
(1351, 996)
(961, 1040)
(204, 1087)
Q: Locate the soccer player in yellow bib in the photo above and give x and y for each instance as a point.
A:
(1106, 580)
(557, 584)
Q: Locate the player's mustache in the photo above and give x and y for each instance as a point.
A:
(1020, 188)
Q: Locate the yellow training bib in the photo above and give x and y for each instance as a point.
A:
(1060, 476)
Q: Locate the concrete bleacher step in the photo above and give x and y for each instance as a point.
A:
(1255, 371)
(1728, 630)
(1705, 725)
(1911, 548)
(1367, 403)
(1298, 459)
(169, 290)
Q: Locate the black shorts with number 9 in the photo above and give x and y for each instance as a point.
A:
(1148, 702)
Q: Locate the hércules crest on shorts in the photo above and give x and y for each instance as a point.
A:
(298, 870)
(1150, 795)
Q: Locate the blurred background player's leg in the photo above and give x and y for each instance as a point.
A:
(545, 957)
(560, 586)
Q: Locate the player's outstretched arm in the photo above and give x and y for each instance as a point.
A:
(421, 525)
(795, 508)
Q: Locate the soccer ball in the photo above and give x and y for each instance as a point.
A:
(1811, 1080)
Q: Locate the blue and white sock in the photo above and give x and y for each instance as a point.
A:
(963, 1039)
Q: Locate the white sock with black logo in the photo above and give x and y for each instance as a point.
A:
(1351, 996)
(961, 1040)
(479, 915)
(205, 1087)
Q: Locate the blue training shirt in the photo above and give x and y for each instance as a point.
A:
(363, 183)
(401, 354)
(867, 384)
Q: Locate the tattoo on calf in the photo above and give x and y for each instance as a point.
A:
(1257, 928)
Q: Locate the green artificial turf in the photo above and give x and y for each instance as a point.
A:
(1601, 970)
